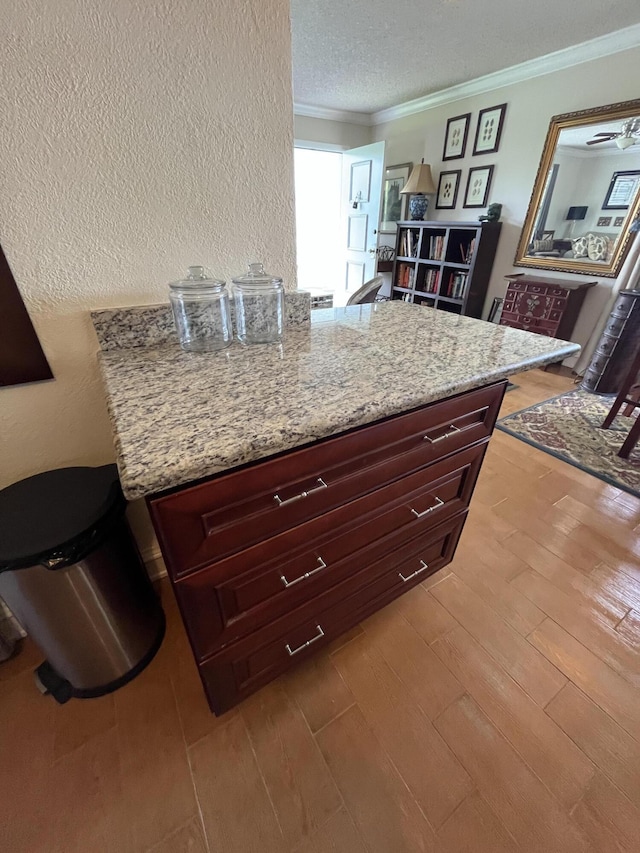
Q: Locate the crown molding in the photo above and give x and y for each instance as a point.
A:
(332, 115)
(596, 48)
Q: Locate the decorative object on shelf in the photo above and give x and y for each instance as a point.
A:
(622, 190)
(448, 185)
(493, 214)
(394, 204)
(489, 129)
(419, 183)
(478, 185)
(455, 138)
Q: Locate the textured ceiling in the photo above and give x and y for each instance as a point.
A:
(366, 55)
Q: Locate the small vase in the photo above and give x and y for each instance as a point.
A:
(418, 206)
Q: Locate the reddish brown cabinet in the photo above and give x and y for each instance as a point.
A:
(275, 559)
(546, 306)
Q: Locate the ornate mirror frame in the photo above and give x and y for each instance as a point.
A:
(557, 259)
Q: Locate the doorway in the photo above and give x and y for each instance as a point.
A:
(318, 182)
(337, 195)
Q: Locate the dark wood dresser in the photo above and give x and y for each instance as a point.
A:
(546, 306)
(275, 559)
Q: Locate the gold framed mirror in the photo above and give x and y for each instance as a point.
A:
(586, 193)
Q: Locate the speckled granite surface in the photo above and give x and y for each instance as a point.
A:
(150, 325)
(177, 417)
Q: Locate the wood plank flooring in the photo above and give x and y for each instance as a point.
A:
(494, 708)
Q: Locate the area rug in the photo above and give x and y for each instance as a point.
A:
(568, 427)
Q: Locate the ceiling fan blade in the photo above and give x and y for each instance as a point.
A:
(596, 141)
(609, 133)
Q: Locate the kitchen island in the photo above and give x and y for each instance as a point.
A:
(297, 488)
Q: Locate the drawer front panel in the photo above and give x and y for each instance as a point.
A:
(537, 288)
(243, 667)
(199, 525)
(241, 593)
(559, 291)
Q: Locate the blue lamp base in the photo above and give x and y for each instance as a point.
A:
(418, 206)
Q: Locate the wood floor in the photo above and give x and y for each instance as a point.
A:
(494, 708)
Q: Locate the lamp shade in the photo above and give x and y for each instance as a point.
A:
(576, 213)
(420, 180)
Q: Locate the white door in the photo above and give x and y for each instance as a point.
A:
(361, 193)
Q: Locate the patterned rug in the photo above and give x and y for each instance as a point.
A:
(568, 427)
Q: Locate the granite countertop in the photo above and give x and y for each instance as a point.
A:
(178, 417)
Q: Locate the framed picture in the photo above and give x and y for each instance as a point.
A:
(547, 235)
(478, 184)
(489, 129)
(622, 190)
(448, 189)
(394, 205)
(455, 138)
(618, 222)
(603, 221)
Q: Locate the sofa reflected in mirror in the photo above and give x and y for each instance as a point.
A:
(586, 194)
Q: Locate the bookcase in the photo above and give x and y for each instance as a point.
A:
(445, 265)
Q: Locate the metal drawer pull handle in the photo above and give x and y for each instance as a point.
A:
(419, 571)
(280, 502)
(303, 577)
(452, 431)
(436, 505)
(318, 636)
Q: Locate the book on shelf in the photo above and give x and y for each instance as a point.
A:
(456, 285)
(436, 247)
(431, 281)
(409, 244)
(466, 251)
(405, 275)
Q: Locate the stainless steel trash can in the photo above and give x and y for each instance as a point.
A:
(71, 573)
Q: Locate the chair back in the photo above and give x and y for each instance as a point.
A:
(366, 293)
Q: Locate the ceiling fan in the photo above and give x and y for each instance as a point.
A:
(625, 138)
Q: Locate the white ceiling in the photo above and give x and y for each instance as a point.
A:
(367, 55)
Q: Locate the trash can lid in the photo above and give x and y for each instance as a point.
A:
(48, 512)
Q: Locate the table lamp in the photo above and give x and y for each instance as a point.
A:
(420, 182)
(574, 214)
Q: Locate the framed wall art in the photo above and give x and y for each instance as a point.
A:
(622, 190)
(455, 137)
(394, 205)
(489, 129)
(448, 184)
(478, 185)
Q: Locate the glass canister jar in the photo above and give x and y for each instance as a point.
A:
(259, 304)
(201, 312)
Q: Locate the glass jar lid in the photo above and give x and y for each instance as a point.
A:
(197, 280)
(257, 277)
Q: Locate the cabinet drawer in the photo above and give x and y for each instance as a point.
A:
(549, 326)
(554, 316)
(241, 593)
(560, 304)
(558, 291)
(518, 285)
(540, 289)
(243, 667)
(231, 512)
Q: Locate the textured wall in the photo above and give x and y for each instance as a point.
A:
(137, 138)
